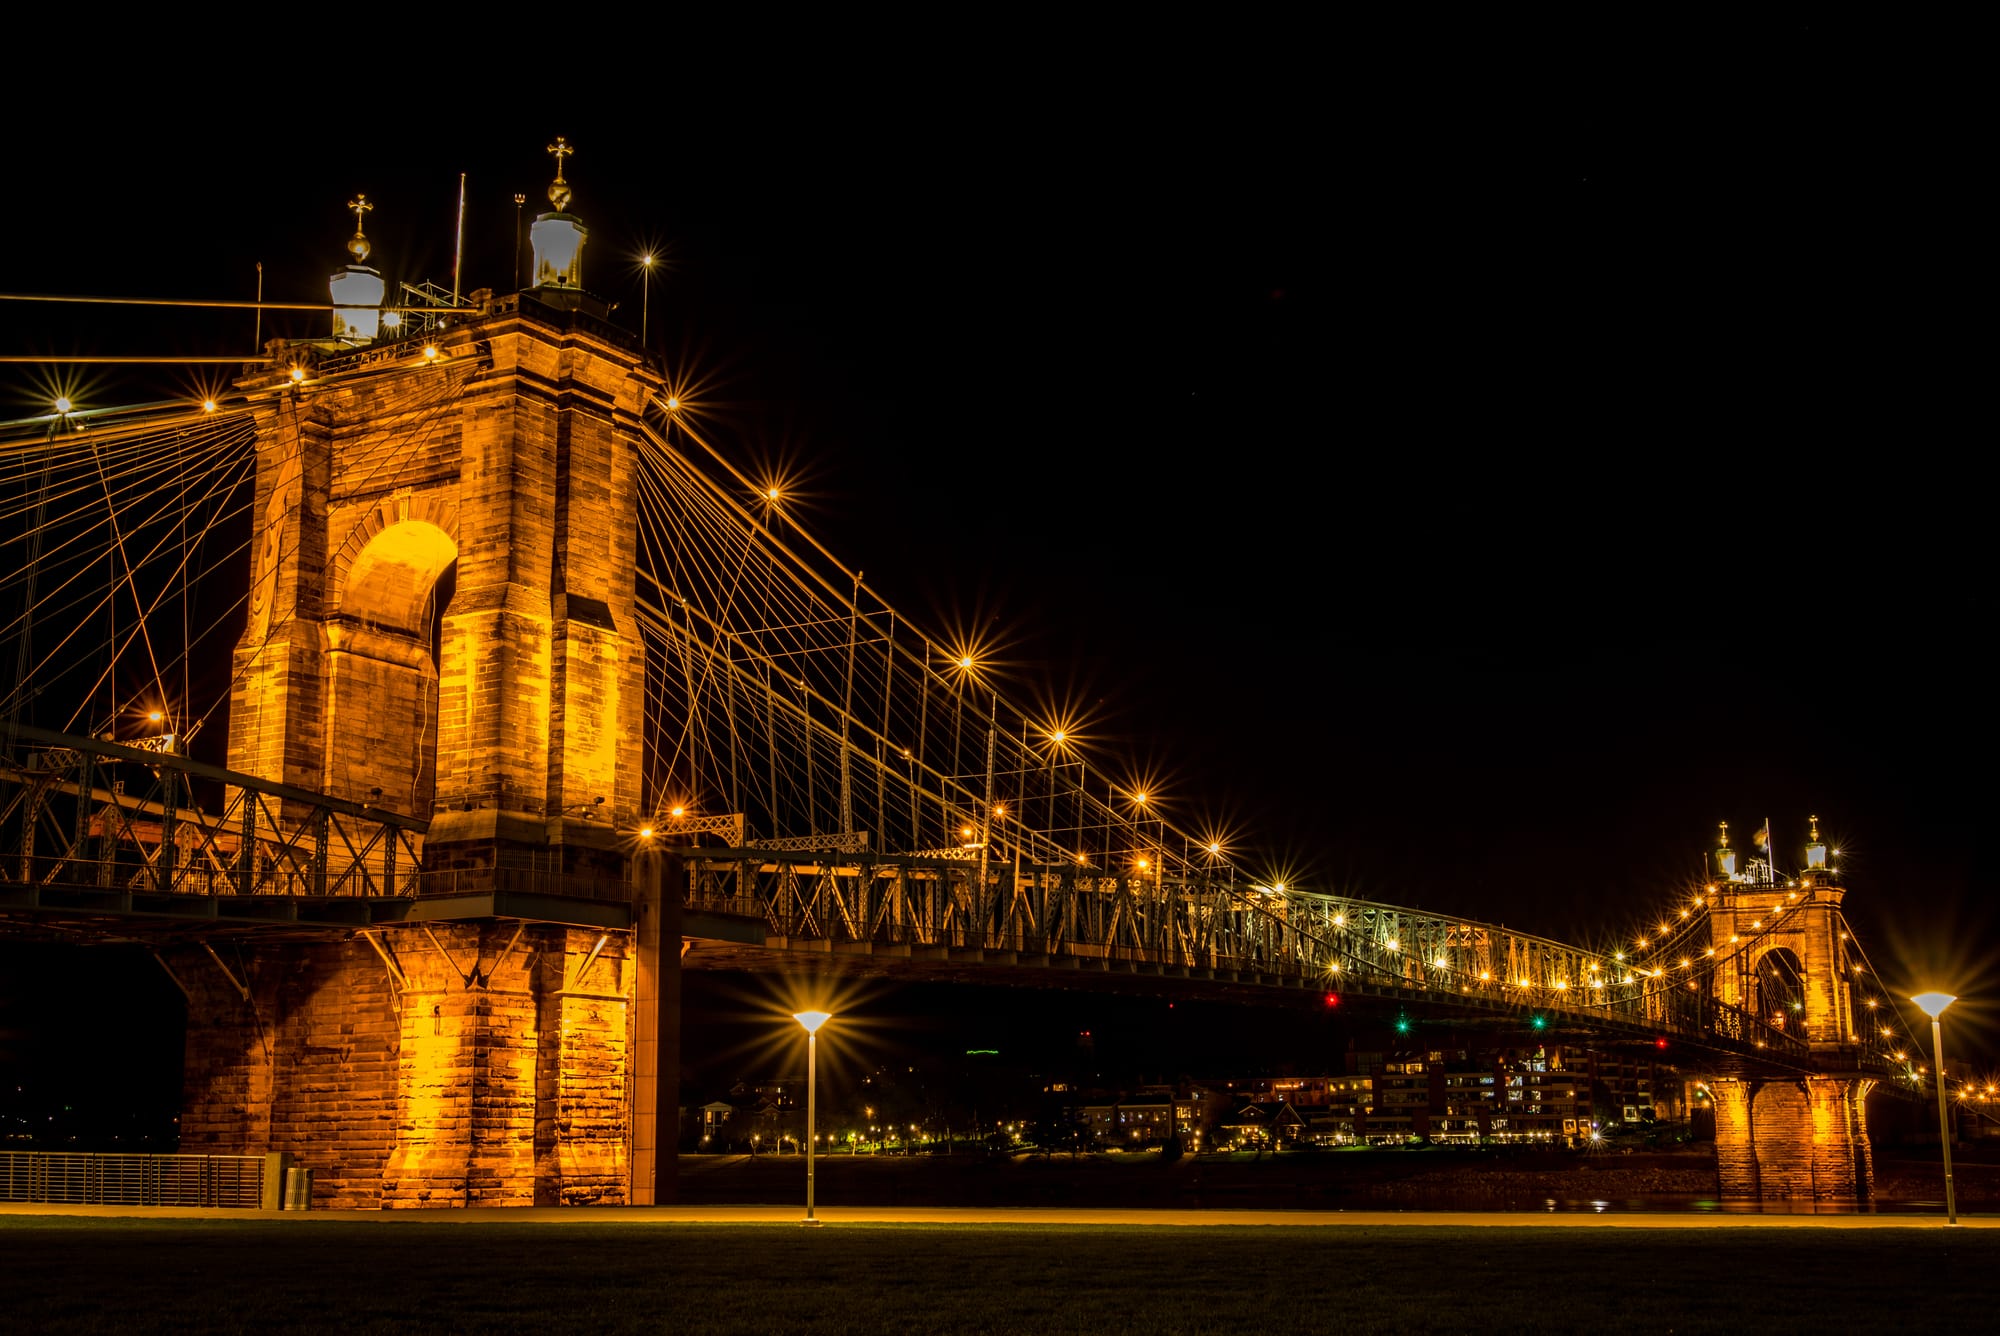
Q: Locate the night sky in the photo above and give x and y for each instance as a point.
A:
(1470, 490)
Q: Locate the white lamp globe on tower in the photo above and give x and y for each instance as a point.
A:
(356, 289)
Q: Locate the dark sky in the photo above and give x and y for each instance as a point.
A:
(1472, 479)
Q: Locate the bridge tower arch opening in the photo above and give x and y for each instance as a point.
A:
(382, 652)
(1777, 989)
(1785, 958)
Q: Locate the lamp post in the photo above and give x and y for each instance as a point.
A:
(519, 200)
(1933, 1005)
(812, 1020)
(645, 294)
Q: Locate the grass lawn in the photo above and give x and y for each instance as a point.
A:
(438, 1275)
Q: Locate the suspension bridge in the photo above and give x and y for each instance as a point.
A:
(442, 687)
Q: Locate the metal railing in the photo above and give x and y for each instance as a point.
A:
(76, 1178)
(67, 821)
(520, 881)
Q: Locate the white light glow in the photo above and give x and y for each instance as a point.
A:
(1933, 1004)
(558, 241)
(357, 302)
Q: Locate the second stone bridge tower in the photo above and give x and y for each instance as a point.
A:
(1787, 962)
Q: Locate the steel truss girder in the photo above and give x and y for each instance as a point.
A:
(268, 839)
(1062, 911)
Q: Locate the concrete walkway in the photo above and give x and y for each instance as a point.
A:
(959, 1217)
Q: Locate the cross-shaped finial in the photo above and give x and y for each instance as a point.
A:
(357, 245)
(1815, 827)
(559, 188)
(1725, 834)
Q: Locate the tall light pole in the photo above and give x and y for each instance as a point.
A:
(969, 666)
(812, 1020)
(986, 838)
(1057, 740)
(1933, 1005)
(519, 200)
(645, 293)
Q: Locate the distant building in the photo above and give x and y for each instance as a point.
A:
(1508, 1096)
(1271, 1123)
(1145, 1119)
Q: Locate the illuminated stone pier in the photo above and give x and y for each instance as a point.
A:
(474, 1064)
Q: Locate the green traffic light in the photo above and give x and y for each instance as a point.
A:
(1541, 1022)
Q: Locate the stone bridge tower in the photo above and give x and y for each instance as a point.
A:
(1786, 948)
(442, 624)
(441, 610)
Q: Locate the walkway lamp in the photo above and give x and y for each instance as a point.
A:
(1933, 1005)
(812, 1020)
(645, 294)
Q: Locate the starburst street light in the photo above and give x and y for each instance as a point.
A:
(812, 1020)
(1933, 1005)
(645, 294)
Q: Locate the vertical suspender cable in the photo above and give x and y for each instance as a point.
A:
(771, 746)
(923, 718)
(881, 758)
(17, 699)
(847, 714)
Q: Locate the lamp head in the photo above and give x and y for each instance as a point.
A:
(812, 1020)
(1933, 1004)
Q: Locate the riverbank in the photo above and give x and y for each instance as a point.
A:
(1420, 1178)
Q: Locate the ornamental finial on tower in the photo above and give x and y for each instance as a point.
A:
(558, 188)
(357, 289)
(357, 245)
(558, 237)
(1725, 857)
